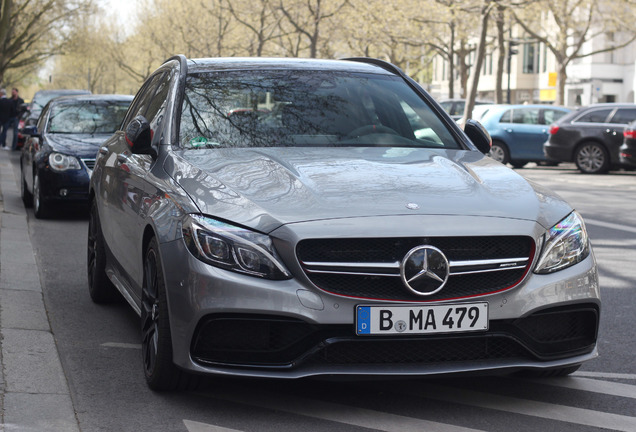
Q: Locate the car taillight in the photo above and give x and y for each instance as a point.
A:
(554, 129)
(629, 133)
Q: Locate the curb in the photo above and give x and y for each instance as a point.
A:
(34, 392)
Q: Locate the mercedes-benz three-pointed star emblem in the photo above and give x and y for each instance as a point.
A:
(424, 270)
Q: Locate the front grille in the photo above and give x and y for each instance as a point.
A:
(90, 163)
(370, 268)
(278, 342)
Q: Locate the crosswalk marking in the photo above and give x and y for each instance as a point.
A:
(337, 413)
(608, 375)
(193, 426)
(383, 421)
(615, 422)
(613, 226)
(121, 345)
(592, 385)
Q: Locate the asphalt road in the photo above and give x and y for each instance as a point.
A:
(100, 353)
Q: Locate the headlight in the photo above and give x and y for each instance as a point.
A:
(62, 162)
(565, 244)
(233, 248)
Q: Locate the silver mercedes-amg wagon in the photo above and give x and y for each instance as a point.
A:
(288, 218)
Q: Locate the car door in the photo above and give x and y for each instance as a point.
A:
(522, 132)
(613, 132)
(125, 204)
(31, 146)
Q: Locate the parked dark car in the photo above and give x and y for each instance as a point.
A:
(455, 107)
(287, 218)
(590, 137)
(519, 131)
(627, 151)
(58, 157)
(33, 109)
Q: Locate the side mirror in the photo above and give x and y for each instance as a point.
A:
(139, 136)
(31, 131)
(478, 135)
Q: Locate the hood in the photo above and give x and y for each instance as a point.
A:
(81, 145)
(268, 187)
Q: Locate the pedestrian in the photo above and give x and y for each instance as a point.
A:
(16, 111)
(6, 106)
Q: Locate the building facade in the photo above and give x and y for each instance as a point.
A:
(603, 77)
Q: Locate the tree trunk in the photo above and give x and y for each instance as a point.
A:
(562, 76)
(479, 60)
(501, 45)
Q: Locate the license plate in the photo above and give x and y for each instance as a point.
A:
(408, 319)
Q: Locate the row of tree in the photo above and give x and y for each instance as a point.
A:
(92, 48)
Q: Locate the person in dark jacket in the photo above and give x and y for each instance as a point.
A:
(17, 106)
(6, 108)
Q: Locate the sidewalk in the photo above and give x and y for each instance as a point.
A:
(34, 393)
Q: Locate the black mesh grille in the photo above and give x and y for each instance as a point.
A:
(394, 250)
(420, 351)
(261, 341)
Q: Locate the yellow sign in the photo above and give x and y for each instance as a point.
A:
(548, 95)
(552, 79)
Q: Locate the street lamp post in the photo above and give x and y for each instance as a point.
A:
(511, 51)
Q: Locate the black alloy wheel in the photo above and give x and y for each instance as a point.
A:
(591, 158)
(156, 345)
(100, 287)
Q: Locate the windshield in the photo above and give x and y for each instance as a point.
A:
(87, 117)
(306, 108)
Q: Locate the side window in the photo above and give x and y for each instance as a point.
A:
(157, 105)
(594, 116)
(526, 116)
(550, 116)
(624, 116)
(143, 98)
(507, 117)
(447, 106)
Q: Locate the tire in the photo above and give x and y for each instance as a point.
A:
(40, 207)
(591, 158)
(27, 197)
(518, 164)
(156, 345)
(499, 152)
(100, 288)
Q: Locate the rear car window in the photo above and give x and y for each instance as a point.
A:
(624, 116)
(594, 116)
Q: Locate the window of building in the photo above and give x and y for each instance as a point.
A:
(530, 58)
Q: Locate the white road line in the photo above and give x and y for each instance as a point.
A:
(193, 426)
(580, 416)
(591, 385)
(610, 225)
(604, 375)
(121, 345)
(345, 414)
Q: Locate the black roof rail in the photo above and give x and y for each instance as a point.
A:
(383, 64)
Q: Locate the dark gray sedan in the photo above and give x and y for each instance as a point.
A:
(287, 218)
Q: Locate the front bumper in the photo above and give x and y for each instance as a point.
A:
(66, 186)
(231, 324)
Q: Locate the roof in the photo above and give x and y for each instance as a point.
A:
(92, 97)
(260, 63)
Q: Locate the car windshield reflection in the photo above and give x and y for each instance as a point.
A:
(291, 108)
(87, 117)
